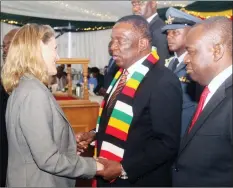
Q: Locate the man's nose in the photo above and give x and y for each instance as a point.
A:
(57, 57)
(186, 59)
(5, 48)
(136, 8)
(113, 47)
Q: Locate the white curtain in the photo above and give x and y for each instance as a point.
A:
(92, 45)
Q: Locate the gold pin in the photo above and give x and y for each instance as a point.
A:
(169, 20)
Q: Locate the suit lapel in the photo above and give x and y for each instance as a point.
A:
(171, 63)
(153, 20)
(215, 100)
(137, 109)
(57, 105)
(180, 67)
(49, 94)
(139, 102)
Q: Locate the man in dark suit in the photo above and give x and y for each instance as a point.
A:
(178, 25)
(3, 102)
(100, 79)
(111, 69)
(205, 157)
(148, 9)
(139, 128)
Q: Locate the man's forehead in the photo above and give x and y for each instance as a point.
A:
(195, 33)
(9, 36)
(193, 37)
(180, 29)
(12, 32)
(7, 39)
(123, 26)
(135, 1)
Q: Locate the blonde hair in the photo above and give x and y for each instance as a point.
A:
(25, 56)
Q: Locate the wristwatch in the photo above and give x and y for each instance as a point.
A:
(123, 174)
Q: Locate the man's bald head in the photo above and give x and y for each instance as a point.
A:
(209, 47)
(218, 29)
(7, 41)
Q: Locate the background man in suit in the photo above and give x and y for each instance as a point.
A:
(148, 9)
(3, 102)
(111, 70)
(178, 25)
(100, 79)
(139, 127)
(205, 158)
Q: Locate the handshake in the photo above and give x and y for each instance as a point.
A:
(108, 169)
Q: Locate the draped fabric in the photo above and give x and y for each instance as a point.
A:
(92, 45)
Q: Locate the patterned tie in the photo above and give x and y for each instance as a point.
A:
(204, 95)
(174, 65)
(120, 86)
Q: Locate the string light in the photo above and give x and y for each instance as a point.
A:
(171, 3)
(204, 15)
(95, 28)
(10, 22)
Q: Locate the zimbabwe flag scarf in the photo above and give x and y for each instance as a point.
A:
(122, 114)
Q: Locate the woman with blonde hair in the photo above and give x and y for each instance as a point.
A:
(42, 145)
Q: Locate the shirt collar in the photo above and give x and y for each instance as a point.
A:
(181, 57)
(219, 79)
(151, 18)
(134, 66)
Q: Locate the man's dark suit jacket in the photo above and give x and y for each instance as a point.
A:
(159, 39)
(108, 77)
(205, 158)
(100, 83)
(3, 136)
(154, 134)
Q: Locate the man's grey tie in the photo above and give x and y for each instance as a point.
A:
(174, 65)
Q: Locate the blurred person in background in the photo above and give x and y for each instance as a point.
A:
(3, 102)
(111, 70)
(178, 25)
(95, 72)
(148, 10)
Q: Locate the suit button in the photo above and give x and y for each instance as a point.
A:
(176, 169)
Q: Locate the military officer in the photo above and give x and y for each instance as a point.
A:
(177, 26)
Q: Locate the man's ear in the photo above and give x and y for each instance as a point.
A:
(218, 51)
(143, 44)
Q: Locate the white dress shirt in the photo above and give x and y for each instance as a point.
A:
(180, 58)
(151, 18)
(130, 70)
(217, 82)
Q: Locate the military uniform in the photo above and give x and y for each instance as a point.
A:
(177, 19)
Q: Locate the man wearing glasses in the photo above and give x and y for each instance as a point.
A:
(148, 10)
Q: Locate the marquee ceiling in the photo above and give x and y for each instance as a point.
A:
(107, 11)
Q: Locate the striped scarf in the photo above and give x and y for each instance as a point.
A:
(122, 114)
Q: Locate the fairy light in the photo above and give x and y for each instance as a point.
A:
(171, 3)
(204, 15)
(95, 28)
